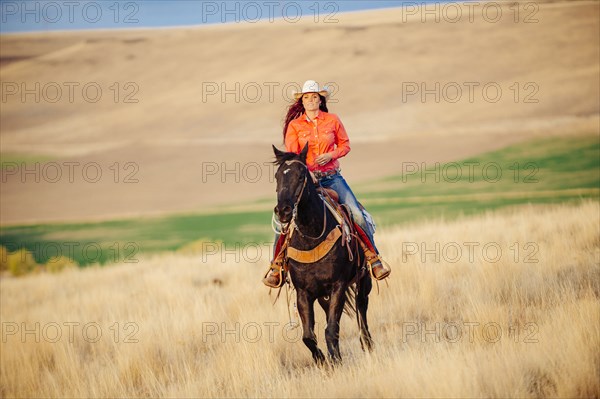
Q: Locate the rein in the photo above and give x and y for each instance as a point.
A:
(295, 210)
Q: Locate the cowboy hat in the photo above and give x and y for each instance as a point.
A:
(310, 86)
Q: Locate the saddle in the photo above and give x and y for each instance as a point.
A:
(329, 193)
(345, 229)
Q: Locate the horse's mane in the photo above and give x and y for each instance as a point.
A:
(287, 156)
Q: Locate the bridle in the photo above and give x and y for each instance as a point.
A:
(292, 222)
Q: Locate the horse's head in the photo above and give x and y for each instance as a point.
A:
(292, 175)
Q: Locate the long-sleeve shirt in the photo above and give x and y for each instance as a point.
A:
(325, 133)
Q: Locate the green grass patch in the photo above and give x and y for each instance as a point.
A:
(552, 170)
(8, 159)
(549, 170)
(124, 240)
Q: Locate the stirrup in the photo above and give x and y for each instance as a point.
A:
(375, 262)
(270, 273)
(276, 266)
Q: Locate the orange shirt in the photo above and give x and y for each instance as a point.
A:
(326, 135)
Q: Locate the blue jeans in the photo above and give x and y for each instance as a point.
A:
(347, 197)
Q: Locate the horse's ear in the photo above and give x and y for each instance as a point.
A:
(303, 153)
(278, 154)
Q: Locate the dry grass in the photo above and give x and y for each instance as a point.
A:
(209, 330)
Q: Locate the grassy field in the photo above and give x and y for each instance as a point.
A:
(6, 159)
(552, 170)
(516, 317)
(132, 237)
(549, 170)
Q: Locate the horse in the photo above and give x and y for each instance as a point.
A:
(334, 279)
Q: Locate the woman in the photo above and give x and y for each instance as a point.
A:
(308, 121)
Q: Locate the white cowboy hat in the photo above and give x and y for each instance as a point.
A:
(310, 86)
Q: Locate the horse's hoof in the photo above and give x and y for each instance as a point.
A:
(335, 361)
(319, 358)
(366, 345)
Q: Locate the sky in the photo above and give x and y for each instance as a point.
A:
(49, 15)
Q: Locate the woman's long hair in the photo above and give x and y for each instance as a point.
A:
(297, 109)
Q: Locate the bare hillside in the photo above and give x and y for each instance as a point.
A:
(172, 101)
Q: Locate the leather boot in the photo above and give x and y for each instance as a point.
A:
(274, 277)
(379, 270)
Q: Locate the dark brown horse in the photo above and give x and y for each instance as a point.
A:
(330, 279)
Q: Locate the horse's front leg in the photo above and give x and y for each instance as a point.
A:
(307, 315)
(334, 314)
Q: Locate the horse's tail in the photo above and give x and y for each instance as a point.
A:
(350, 305)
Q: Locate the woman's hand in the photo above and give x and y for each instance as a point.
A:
(324, 159)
